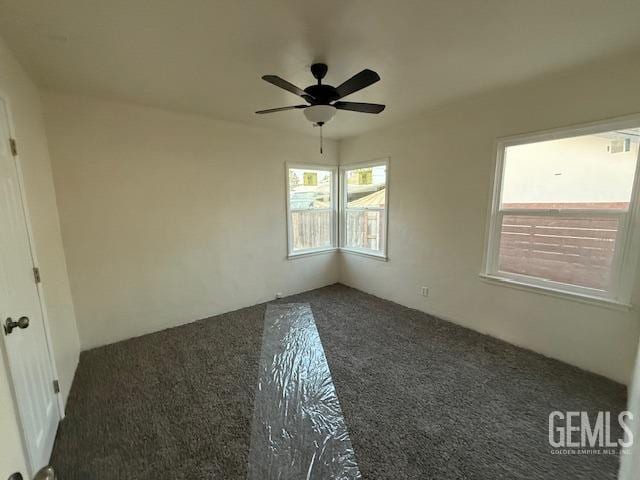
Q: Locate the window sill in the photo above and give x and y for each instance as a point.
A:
(310, 253)
(375, 256)
(575, 297)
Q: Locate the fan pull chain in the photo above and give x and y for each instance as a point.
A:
(320, 139)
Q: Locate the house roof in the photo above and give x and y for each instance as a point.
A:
(375, 199)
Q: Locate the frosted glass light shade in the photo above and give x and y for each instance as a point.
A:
(319, 113)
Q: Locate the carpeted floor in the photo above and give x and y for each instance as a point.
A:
(422, 399)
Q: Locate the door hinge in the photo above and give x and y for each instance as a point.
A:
(14, 147)
(56, 386)
(36, 274)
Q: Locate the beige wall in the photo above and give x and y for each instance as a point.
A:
(440, 167)
(168, 218)
(24, 100)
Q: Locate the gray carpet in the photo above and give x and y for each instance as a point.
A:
(422, 398)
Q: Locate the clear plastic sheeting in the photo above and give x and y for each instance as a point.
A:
(298, 429)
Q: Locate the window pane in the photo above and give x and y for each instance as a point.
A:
(364, 229)
(311, 228)
(586, 172)
(309, 189)
(312, 214)
(365, 211)
(577, 251)
(366, 187)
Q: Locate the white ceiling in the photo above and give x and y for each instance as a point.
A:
(207, 57)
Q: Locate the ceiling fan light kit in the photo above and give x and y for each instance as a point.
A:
(320, 114)
(324, 100)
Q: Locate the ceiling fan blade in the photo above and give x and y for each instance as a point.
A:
(282, 83)
(358, 82)
(360, 107)
(281, 109)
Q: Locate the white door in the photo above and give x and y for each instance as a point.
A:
(26, 343)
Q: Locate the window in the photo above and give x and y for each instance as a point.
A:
(311, 209)
(563, 211)
(364, 208)
(620, 145)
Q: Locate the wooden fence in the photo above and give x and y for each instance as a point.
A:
(364, 228)
(311, 228)
(578, 251)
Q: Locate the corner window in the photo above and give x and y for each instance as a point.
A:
(563, 211)
(365, 196)
(311, 209)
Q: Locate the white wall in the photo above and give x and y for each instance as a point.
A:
(29, 130)
(570, 170)
(441, 164)
(168, 218)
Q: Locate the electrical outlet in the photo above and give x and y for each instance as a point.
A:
(425, 292)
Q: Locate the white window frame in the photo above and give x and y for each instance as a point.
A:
(627, 245)
(343, 209)
(334, 209)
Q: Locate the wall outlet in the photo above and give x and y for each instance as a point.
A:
(279, 295)
(424, 291)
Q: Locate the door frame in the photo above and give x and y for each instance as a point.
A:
(39, 286)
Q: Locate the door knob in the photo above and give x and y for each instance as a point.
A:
(10, 324)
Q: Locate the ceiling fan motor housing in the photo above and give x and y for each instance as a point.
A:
(321, 94)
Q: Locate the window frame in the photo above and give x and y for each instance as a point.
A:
(343, 209)
(291, 253)
(627, 244)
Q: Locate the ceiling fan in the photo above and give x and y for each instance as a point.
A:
(324, 100)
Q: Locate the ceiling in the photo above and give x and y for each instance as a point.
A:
(207, 57)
